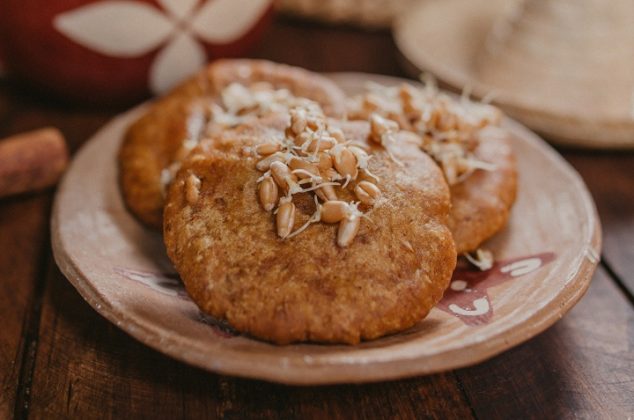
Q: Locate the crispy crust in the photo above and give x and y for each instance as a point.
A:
(152, 143)
(481, 204)
(307, 288)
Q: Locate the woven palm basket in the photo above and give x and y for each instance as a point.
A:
(363, 13)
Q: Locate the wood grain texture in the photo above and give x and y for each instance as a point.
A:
(86, 368)
(610, 179)
(583, 367)
(24, 243)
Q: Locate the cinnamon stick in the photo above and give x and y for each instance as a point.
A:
(32, 161)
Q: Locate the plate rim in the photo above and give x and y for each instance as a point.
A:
(306, 374)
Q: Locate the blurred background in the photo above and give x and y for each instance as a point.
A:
(565, 68)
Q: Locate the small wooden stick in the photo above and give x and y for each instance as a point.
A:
(32, 161)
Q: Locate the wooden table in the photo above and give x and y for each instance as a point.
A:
(59, 358)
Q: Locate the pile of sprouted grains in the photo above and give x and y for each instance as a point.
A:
(448, 129)
(315, 157)
(238, 104)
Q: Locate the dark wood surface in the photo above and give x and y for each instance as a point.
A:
(58, 358)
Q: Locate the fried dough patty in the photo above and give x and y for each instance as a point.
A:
(306, 288)
(481, 204)
(154, 142)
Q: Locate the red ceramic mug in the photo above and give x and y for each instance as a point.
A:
(107, 51)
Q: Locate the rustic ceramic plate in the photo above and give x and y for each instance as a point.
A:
(545, 260)
(575, 86)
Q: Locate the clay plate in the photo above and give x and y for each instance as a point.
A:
(545, 260)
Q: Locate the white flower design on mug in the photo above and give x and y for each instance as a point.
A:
(127, 28)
